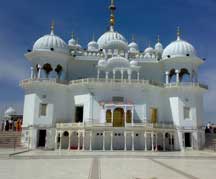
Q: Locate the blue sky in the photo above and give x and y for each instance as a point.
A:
(23, 22)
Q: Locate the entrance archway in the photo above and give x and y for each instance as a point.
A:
(118, 117)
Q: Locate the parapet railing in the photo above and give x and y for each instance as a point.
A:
(114, 81)
(92, 124)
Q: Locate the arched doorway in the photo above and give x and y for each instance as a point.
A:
(129, 116)
(108, 116)
(118, 117)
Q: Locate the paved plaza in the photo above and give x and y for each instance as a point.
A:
(106, 165)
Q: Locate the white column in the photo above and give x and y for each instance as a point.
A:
(145, 138)
(78, 148)
(69, 140)
(156, 142)
(32, 73)
(111, 141)
(107, 75)
(138, 75)
(56, 140)
(112, 114)
(129, 75)
(122, 75)
(152, 140)
(125, 116)
(125, 141)
(60, 142)
(98, 74)
(114, 74)
(90, 147)
(167, 77)
(132, 135)
(132, 116)
(164, 142)
(83, 147)
(103, 140)
(177, 76)
(39, 71)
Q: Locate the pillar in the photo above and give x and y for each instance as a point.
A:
(90, 147)
(78, 146)
(104, 141)
(129, 75)
(56, 140)
(111, 141)
(125, 116)
(114, 74)
(125, 141)
(83, 147)
(112, 114)
(39, 71)
(145, 138)
(138, 75)
(132, 116)
(69, 140)
(107, 75)
(177, 76)
(122, 75)
(60, 142)
(98, 74)
(156, 141)
(152, 140)
(167, 77)
(32, 73)
(132, 135)
(164, 142)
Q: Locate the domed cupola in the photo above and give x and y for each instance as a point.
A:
(118, 62)
(133, 47)
(93, 45)
(51, 42)
(112, 39)
(179, 48)
(158, 46)
(72, 42)
(10, 111)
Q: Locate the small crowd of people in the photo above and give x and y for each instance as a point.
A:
(11, 125)
(210, 128)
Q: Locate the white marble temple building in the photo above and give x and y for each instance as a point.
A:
(112, 95)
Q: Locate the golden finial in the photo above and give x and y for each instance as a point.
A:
(112, 16)
(133, 38)
(93, 37)
(73, 35)
(178, 33)
(52, 26)
(158, 38)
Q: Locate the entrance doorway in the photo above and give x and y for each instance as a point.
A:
(41, 138)
(187, 139)
(118, 117)
(79, 114)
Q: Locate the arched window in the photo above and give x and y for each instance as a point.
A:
(184, 75)
(172, 75)
(47, 68)
(108, 116)
(59, 70)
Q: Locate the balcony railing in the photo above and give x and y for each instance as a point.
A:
(113, 81)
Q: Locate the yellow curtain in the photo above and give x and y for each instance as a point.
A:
(154, 115)
(108, 116)
(129, 116)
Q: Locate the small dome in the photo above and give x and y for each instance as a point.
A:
(72, 42)
(159, 47)
(178, 48)
(134, 63)
(118, 62)
(92, 46)
(149, 50)
(133, 47)
(102, 63)
(10, 111)
(51, 42)
(112, 40)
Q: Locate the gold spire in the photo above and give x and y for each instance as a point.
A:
(112, 15)
(93, 37)
(158, 39)
(178, 33)
(73, 35)
(133, 38)
(52, 27)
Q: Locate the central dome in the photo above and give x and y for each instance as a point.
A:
(118, 62)
(112, 40)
